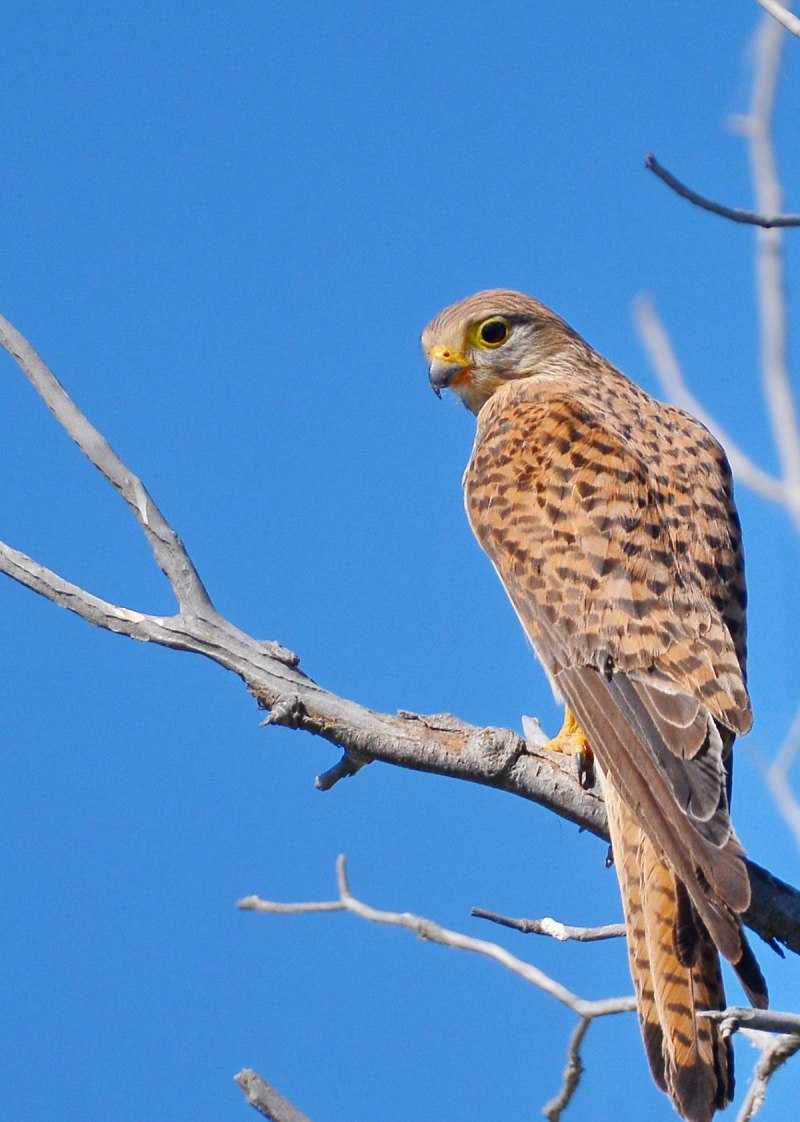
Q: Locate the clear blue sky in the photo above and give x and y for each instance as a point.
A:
(224, 226)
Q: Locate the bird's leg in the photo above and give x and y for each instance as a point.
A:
(571, 740)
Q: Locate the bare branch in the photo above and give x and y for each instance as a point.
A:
(735, 214)
(553, 927)
(67, 595)
(782, 15)
(438, 743)
(775, 1051)
(776, 775)
(165, 543)
(731, 1019)
(266, 1099)
(764, 1020)
(778, 392)
(572, 1073)
(426, 929)
(434, 933)
(344, 769)
(668, 371)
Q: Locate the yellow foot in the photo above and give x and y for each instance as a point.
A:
(571, 740)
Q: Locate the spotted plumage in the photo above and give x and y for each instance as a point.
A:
(610, 520)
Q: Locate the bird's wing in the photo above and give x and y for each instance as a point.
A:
(624, 601)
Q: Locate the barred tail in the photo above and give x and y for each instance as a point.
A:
(676, 971)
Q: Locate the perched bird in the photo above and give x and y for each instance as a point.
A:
(610, 520)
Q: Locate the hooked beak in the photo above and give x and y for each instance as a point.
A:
(444, 367)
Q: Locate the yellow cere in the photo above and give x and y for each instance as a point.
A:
(439, 352)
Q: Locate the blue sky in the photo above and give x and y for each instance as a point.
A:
(225, 226)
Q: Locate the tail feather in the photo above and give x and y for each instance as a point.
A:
(688, 1056)
(749, 974)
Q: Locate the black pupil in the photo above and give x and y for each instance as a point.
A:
(494, 332)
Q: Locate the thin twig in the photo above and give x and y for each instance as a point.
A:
(434, 933)
(775, 1051)
(782, 15)
(426, 929)
(731, 1019)
(778, 391)
(763, 1020)
(735, 214)
(553, 927)
(165, 543)
(553, 1109)
(266, 1099)
(344, 768)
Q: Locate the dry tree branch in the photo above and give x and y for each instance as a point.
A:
(562, 932)
(732, 1019)
(759, 1020)
(776, 776)
(586, 1010)
(438, 743)
(167, 548)
(266, 1099)
(434, 933)
(782, 15)
(735, 214)
(756, 126)
(553, 1109)
(775, 1051)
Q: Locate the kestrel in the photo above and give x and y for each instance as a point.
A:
(610, 520)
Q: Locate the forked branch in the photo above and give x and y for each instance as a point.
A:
(426, 929)
(587, 1011)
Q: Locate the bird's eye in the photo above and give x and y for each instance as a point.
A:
(493, 332)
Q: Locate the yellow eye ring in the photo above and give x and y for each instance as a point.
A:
(493, 332)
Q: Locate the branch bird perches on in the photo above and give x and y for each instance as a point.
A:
(438, 743)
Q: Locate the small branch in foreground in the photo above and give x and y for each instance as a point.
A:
(735, 214)
(756, 126)
(343, 769)
(764, 1020)
(782, 15)
(731, 1019)
(432, 932)
(266, 1099)
(775, 1051)
(553, 927)
(165, 543)
(553, 1109)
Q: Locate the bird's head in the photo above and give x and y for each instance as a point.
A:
(497, 336)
